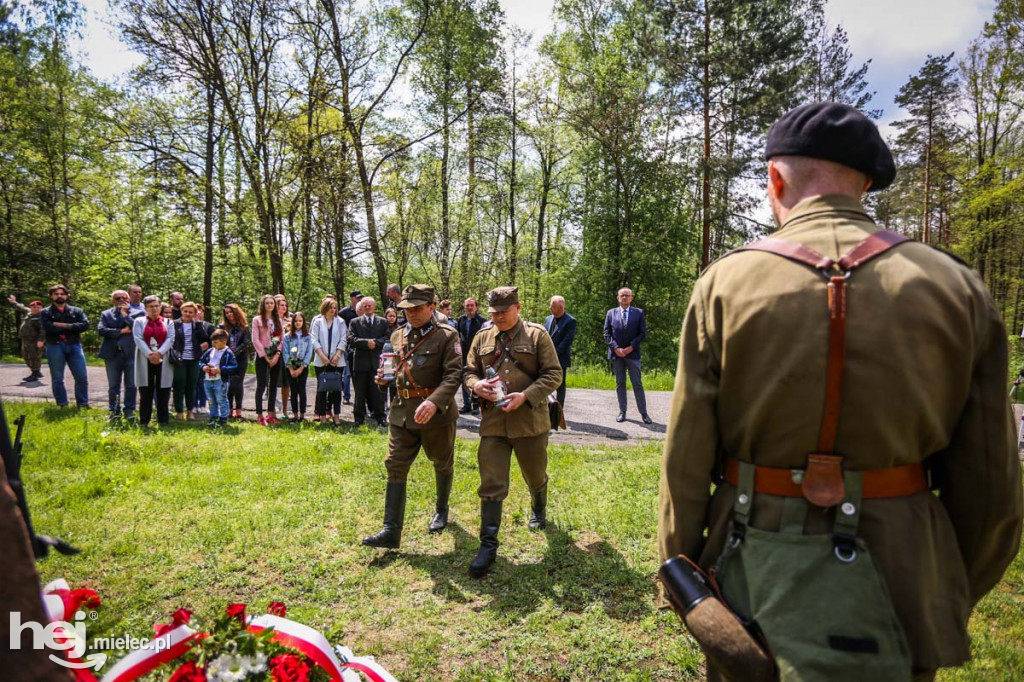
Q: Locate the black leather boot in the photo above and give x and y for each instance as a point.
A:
(539, 509)
(390, 536)
(490, 522)
(444, 490)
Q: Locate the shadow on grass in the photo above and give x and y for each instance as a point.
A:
(572, 575)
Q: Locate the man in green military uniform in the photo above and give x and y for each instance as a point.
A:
(522, 355)
(423, 413)
(31, 335)
(924, 380)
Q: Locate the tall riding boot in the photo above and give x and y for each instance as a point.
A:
(490, 522)
(444, 490)
(539, 508)
(390, 536)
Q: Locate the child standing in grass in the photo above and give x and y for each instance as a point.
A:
(217, 364)
(298, 353)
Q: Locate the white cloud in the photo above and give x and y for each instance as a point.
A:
(104, 53)
(893, 30)
(532, 15)
(898, 35)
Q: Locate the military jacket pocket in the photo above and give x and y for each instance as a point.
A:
(526, 355)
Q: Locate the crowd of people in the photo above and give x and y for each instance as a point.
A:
(162, 354)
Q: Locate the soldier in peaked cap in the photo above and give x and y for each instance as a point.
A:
(897, 372)
(525, 359)
(423, 413)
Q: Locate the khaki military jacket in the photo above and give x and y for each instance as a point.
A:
(537, 375)
(924, 380)
(436, 363)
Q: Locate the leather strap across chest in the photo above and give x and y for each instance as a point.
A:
(403, 364)
(822, 482)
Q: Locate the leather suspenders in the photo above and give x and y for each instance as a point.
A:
(822, 482)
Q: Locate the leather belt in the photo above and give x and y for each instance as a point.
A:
(414, 393)
(878, 483)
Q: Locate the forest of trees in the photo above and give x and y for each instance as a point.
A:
(315, 146)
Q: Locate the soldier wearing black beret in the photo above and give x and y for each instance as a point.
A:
(876, 359)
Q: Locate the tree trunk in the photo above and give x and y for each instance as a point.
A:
(208, 170)
(705, 203)
(446, 240)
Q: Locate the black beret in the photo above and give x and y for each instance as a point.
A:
(834, 132)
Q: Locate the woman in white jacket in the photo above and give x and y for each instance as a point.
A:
(330, 334)
(154, 373)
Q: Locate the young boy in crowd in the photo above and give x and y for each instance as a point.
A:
(217, 364)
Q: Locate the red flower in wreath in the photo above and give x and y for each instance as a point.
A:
(181, 617)
(84, 597)
(289, 668)
(188, 672)
(277, 608)
(237, 611)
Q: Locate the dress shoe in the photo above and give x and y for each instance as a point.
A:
(621, 418)
(647, 420)
(466, 409)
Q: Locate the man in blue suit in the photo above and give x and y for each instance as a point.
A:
(562, 328)
(118, 353)
(624, 330)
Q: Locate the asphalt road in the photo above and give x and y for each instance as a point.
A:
(589, 414)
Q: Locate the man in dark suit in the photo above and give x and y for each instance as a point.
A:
(348, 314)
(624, 330)
(118, 353)
(562, 328)
(468, 325)
(367, 335)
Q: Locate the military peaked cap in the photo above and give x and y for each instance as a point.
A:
(416, 295)
(834, 132)
(502, 298)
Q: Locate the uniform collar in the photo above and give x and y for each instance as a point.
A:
(514, 331)
(826, 203)
(423, 330)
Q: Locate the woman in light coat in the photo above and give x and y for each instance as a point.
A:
(330, 334)
(154, 373)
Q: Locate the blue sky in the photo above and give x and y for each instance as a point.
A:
(896, 34)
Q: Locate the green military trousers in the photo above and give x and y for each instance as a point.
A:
(438, 442)
(495, 459)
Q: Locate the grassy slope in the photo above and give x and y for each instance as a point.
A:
(184, 517)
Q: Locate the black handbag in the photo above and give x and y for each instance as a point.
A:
(328, 381)
(173, 354)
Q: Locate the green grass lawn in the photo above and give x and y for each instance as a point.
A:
(181, 517)
(600, 376)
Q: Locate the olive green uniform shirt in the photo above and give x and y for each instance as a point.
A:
(532, 348)
(925, 379)
(436, 363)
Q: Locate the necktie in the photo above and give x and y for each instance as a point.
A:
(625, 316)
